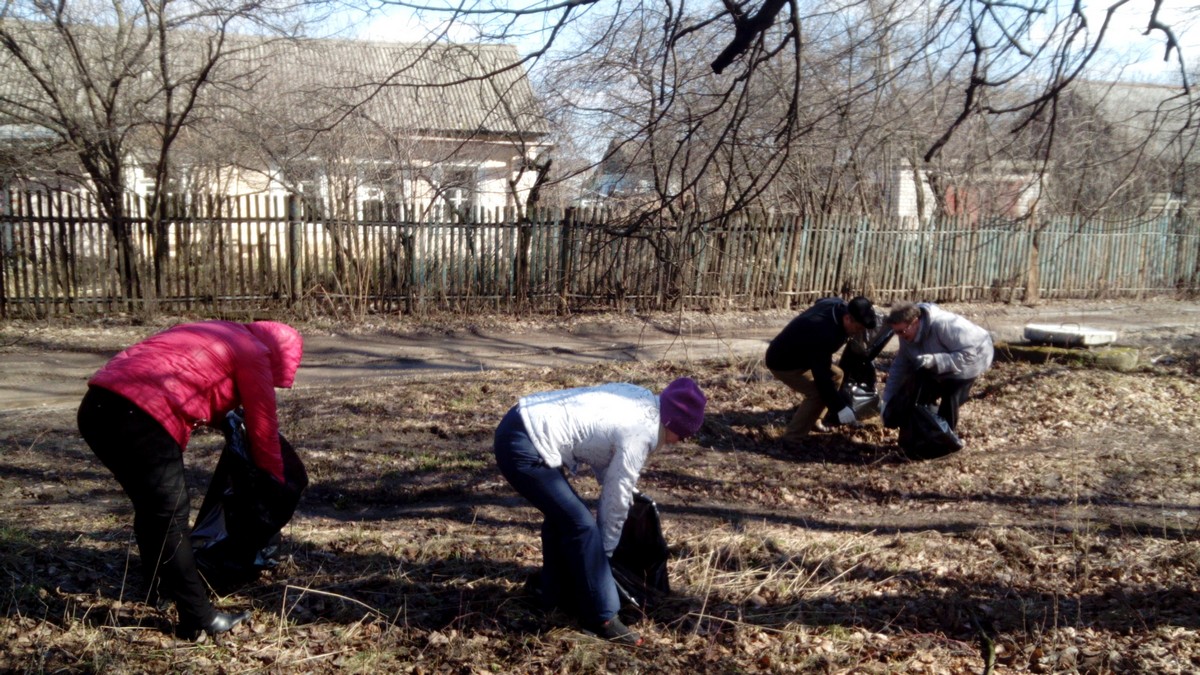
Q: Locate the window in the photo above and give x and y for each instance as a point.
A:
(458, 192)
(310, 194)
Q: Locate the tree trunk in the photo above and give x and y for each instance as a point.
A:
(1032, 277)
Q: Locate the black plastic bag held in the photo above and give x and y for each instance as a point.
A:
(639, 563)
(858, 369)
(927, 435)
(237, 529)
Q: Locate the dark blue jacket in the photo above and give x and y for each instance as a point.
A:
(809, 342)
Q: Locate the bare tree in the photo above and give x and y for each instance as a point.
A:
(116, 84)
(734, 93)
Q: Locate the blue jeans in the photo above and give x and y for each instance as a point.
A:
(575, 570)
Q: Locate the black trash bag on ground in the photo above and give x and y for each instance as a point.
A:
(858, 382)
(236, 534)
(639, 563)
(926, 435)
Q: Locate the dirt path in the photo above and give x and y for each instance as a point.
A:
(46, 366)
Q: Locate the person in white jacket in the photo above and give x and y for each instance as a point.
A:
(941, 355)
(612, 428)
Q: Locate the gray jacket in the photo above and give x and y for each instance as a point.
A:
(961, 350)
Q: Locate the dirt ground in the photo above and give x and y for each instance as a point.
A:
(48, 365)
(1063, 538)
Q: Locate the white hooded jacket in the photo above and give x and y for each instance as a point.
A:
(612, 428)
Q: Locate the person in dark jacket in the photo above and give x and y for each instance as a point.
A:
(801, 357)
(138, 414)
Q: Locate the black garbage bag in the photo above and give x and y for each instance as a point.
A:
(926, 435)
(860, 398)
(639, 563)
(858, 382)
(236, 534)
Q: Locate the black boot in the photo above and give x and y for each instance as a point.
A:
(158, 596)
(158, 601)
(220, 623)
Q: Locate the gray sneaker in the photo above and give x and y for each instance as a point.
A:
(615, 631)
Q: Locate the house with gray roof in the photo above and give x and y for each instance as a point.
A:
(373, 128)
(385, 126)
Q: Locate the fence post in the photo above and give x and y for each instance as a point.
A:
(1032, 267)
(408, 240)
(6, 246)
(564, 263)
(522, 272)
(295, 246)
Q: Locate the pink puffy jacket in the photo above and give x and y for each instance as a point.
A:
(195, 373)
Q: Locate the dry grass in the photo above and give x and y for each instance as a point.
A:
(1064, 536)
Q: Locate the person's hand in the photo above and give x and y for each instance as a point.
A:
(926, 361)
(846, 416)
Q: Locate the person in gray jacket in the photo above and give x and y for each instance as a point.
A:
(941, 355)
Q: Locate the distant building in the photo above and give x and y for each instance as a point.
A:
(377, 128)
(997, 192)
(450, 126)
(623, 178)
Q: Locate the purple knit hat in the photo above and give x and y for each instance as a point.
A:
(681, 407)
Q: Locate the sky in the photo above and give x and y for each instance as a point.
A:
(1142, 55)
(403, 25)
(1128, 53)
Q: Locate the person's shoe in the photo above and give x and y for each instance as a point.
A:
(615, 631)
(220, 623)
(158, 596)
(160, 603)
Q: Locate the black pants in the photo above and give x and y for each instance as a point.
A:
(925, 388)
(148, 464)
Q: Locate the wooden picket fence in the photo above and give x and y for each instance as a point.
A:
(254, 255)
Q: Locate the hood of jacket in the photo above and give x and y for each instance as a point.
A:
(286, 347)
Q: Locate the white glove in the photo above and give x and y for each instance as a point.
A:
(846, 416)
(926, 361)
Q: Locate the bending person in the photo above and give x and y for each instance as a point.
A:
(941, 354)
(801, 357)
(612, 428)
(137, 417)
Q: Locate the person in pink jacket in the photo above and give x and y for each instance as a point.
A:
(137, 417)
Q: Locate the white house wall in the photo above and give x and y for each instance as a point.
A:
(491, 165)
(902, 197)
(1019, 190)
